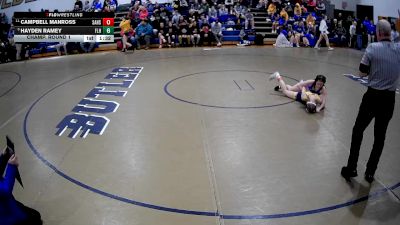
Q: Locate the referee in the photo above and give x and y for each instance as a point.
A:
(381, 63)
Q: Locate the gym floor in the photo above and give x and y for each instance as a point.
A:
(198, 137)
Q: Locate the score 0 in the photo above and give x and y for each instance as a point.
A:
(108, 22)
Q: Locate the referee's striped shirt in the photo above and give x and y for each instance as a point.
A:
(383, 57)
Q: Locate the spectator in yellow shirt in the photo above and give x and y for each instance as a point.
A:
(125, 26)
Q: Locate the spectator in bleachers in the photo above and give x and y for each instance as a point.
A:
(202, 20)
(304, 10)
(125, 26)
(162, 37)
(310, 22)
(282, 41)
(176, 4)
(366, 21)
(284, 15)
(3, 18)
(249, 20)
(205, 34)
(361, 35)
(340, 34)
(297, 12)
(290, 32)
(311, 5)
(156, 7)
(12, 47)
(340, 19)
(348, 22)
(155, 24)
(86, 7)
(244, 38)
(193, 14)
(212, 13)
(171, 34)
(204, 7)
(164, 14)
(143, 13)
(271, 9)
(216, 29)
(371, 31)
(353, 34)
(175, 17)
(109, 6)
(134, 15)
(223, 10)
(58, 48)
(299, 35)
(87, 46)
(10, 34)
(195, 7)
(4, 52)
(323, 28)
(183, 32)
(320, 8)
(184, 7)
(156, 12)
(195, 32)
(147, 4)
(76, 9)
(289, 9)
(229, 5)
(275, 23)
(143, 32)
(262, 4)
(97, 6)
(78, 4)
(333, 25)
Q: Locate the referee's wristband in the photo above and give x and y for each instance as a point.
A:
(364, 68)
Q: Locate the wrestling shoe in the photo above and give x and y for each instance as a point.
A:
(347, 173)
(369, 177)
(275, 75)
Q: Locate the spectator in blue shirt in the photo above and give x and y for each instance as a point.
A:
(371, 30)
(143, 32)
(13, 212)
(97, 6)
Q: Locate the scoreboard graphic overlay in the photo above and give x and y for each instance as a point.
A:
(64, 27)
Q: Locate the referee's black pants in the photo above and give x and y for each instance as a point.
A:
(378, 104)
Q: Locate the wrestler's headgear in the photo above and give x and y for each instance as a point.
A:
(311, 107)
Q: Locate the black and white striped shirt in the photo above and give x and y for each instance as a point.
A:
(384, 60)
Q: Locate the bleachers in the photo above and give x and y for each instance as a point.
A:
(263, 27)
(229, 36)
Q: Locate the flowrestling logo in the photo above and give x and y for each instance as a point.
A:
(88, 116)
